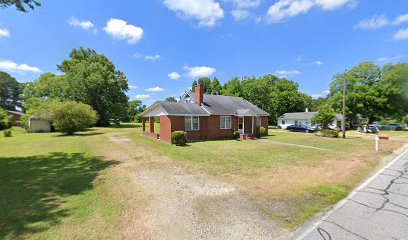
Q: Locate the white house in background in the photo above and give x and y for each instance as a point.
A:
(302, 118)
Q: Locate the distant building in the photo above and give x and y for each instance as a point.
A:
(38, 124)
(15, 117)
(302, 118)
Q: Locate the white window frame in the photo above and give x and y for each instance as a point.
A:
(192, 123)
(225, 122)
(258, 122)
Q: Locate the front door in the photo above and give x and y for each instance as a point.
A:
(241, 125)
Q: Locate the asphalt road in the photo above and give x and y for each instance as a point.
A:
(378, 209)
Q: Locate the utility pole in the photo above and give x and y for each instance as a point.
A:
(343, 122)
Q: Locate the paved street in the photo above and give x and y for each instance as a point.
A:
(376, 210)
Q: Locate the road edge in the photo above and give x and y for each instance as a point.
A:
(352, 194)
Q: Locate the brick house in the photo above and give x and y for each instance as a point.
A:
(204, 117)
(15, 117)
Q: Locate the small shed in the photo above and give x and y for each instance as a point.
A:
(38, 124)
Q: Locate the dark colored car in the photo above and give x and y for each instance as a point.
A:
(301, 128)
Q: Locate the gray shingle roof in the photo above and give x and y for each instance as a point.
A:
(227, 105)
(179, 108)
(304, 115)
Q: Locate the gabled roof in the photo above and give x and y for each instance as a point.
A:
(174, 109)
(226, 105)
(15, 112)
(304, 115)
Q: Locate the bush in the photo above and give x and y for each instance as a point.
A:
(235, 135)
(70, 116)
(7, 133)
(4, 120)
(260, 131)
(329, 133)
(179, 138)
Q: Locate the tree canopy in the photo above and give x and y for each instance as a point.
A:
(21, 5)
(372, 91)
(10, 90)
(89, 78)
(170, 99)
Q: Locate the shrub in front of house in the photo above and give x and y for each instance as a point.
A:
(7, 133)
(260, 131)
(70, 116)
(179, 138)
(329, 133)
(236, 135)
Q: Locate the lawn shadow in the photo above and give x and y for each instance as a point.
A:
(125, 125)
(32, 187)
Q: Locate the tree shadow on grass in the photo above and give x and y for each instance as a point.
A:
(126, 125)
(31, 189)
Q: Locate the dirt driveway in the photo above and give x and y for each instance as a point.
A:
(180, 204)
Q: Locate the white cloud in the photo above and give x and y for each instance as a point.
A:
(400, 19)
(153, 57)
(284, 9)
(142, 96)
(174, 75)
(388, 59)
(4, 32)
(373, 23)
(132, 87)
(245, 3)
(318, 62)
(196, 72)
(320, 95)
(86, 25)
(402, 34)
(8, 65)
(121, 30)
(286, 73)
(207, 12)
(240, 14)
(138, 55)
(155, 89)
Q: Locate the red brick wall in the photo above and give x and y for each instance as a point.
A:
(209, 127)
(165, 129)
(265, 123)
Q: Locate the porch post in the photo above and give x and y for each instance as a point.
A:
(143, 124)
(243, 125)
(252, 124)
(151, 124)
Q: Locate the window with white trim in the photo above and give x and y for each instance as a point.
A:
(258, 121)
(225, 122)
(191, 123)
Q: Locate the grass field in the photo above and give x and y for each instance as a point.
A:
(77, 187)
(302, 180)
(51, 185)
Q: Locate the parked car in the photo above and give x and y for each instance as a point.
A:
(301, 128)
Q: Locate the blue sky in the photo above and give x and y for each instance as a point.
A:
(163, 45)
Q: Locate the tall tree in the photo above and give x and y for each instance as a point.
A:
(232, 88)
(216, 86)
(10, 90)
(205, 82)
(21, 5)
(133, 110)
(372, 91)
(193, 85)
(93, 79)
(170, 99)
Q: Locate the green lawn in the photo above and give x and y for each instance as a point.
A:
(46, 180)
(304, 180)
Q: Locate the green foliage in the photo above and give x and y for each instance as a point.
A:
(7, 133)
(20, 4)
(216, 86)
(10, 90)
(325, 116)
(260, 132)
(205, 82)
(232, 88)
(372, 91)
(170, 99)
(193, 85)
(89, 78)
(135, 107)
(236, 135)
(4, 120)
(179, 138)
(329, 133)
(70, 116)
(317, 103)
(405, 119)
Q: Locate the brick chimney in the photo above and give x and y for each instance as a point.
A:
(199, 94)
